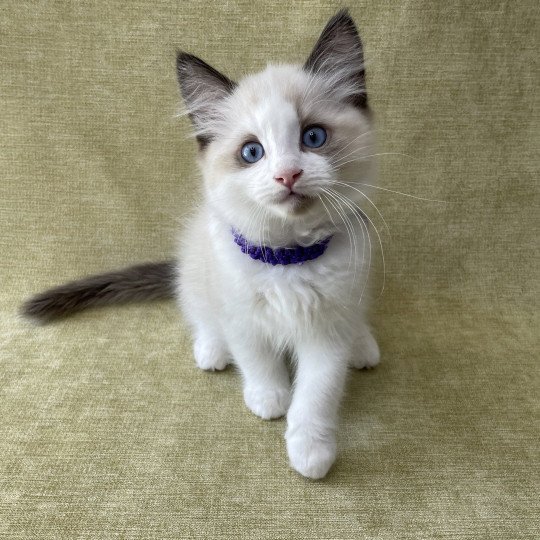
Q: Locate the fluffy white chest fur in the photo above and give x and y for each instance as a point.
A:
(282, 303)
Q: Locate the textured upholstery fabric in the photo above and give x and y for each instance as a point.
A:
(107, 429)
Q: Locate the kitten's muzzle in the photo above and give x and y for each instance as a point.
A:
(288, 177)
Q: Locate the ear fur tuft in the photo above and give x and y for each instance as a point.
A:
(339, 55)
(202, 87)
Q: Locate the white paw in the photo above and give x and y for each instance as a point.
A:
(367, 354)
(311, 457)
(210, 355)
(267, 403)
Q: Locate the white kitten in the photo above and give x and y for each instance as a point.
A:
(275, 260)
(290, 192)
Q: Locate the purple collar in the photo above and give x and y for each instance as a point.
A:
(283, 256)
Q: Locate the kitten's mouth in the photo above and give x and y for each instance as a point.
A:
(295, 202)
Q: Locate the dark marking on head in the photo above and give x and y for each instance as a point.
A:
(202, 88)
(203, 141)
(339, 50)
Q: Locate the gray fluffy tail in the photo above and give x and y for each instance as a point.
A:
(150, 281)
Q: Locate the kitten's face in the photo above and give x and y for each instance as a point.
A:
(281, 143)
(278, 110)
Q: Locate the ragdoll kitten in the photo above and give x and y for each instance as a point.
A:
(275, 259)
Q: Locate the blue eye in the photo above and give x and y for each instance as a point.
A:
(252, 152)
(314, 136)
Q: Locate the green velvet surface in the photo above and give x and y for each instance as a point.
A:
(107, 429)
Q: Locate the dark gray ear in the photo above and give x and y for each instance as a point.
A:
(339, 55)
(202, 87)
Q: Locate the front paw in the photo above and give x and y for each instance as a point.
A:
(267, 403)
(311, 456)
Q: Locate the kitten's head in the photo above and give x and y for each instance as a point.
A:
(279, 142)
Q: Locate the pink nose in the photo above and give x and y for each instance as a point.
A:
(288, 177)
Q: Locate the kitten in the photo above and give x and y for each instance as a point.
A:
(276, 258)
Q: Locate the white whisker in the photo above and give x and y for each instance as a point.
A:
(370, 201)
(362, 226)
(330, 193)
(381, 246)
(400, 193)
(340, 215)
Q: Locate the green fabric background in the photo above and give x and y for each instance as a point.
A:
(107, 429)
